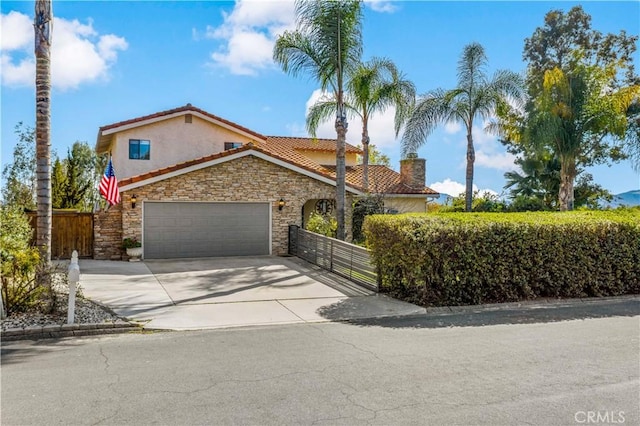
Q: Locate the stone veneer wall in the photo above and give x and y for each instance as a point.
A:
(245, 179)
(107, 234)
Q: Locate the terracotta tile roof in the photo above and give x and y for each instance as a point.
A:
(309, 144)
(382, 179)
(186, 108)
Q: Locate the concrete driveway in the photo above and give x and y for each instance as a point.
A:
(190, 294)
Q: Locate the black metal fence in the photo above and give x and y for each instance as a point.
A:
(347, 260)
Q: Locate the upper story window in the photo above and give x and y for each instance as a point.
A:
(139, 149)
(232, 145)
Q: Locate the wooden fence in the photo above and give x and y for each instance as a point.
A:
(70, 231)
(347, 260)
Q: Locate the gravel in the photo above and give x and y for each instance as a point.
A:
(86, 312)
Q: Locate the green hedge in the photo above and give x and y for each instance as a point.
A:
(472, 258)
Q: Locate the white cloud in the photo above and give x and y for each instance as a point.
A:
(78, 53)
(452, 127)
(453, 188)
(449, 187)
(17, 31)
(249, 33)
(501, 161)
(384, 6)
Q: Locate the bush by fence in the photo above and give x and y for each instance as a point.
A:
(19, 264)
(472, 258)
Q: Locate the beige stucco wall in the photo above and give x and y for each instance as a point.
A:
(328, 158)
(244, 179)
(406, 205)
(172, 141)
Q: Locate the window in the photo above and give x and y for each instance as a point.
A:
(232, 145)
(139, 149)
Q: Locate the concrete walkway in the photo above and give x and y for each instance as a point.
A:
(191, 294)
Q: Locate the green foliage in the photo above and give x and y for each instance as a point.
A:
(20, 175)
(73, 179)
(581, 86)
(539, 182)
(375, 156)
(527, 203)
(487, 202)
(131, 242)
(461, 259)
(372, 204)
(19, 263)
(322, 224)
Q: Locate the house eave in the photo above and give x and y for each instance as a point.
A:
(232, 157)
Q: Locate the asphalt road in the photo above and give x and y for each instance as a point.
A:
(552, 370)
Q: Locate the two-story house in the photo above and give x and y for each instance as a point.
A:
(197, 185)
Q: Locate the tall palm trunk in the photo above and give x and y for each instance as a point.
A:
(567, 177)
(365, 153)
(471, 158)
(341, 141)
(43, 23)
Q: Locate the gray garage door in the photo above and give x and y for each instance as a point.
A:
(173, 230)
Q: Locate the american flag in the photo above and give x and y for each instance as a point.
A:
(109, 185)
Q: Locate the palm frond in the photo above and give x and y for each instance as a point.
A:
(430, 110)
(320, 112)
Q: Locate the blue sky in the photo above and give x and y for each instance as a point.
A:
(114, 61)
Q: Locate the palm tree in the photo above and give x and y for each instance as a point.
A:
(43, 23)
(372, 87)
(575, 113)
(327, 44)
(475, 97)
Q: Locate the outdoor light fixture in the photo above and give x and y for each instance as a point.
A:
(281, 204)
(133, 201)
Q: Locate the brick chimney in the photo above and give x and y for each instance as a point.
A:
(413, 171)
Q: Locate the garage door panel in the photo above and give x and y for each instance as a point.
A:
(183, 229)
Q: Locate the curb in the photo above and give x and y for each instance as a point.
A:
(528, 304)
(55, 331)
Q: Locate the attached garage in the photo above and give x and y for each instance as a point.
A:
(206, 229)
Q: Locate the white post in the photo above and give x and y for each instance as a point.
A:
(74, 278)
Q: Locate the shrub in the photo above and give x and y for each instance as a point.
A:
(371, 204)
(19, 264)
(323, 225)
(461, 259)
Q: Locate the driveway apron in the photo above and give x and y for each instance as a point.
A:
(233, 291)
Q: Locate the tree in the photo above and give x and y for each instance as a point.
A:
(327, 44)
(475, 97)
(43, 22)
(20, 175)
(376, 157)
(575, 114)
(538, 183)
(581, 86)
(554, 45)
(632, 145)
(73, 179)
(372, 87)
